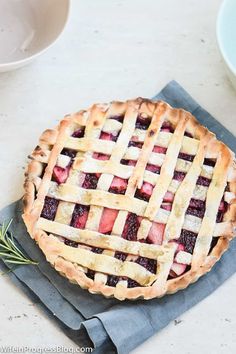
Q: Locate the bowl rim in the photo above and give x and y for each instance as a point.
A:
(23, 61)
(218, 35)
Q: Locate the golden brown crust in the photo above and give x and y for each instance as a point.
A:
(37, 185)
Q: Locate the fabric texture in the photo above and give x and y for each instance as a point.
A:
(109, 325)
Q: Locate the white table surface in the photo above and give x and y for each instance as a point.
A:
(115, 50)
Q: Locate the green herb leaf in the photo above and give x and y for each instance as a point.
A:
(8, 249)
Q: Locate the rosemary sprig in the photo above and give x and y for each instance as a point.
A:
(8, 249)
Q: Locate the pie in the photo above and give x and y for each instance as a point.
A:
(131, 199)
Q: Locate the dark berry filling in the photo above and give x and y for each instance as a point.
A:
(97, 250)
(90, 274)
(179, 176)
(131, 227)
(203, 181)
(124, 162)
(118, 118)
(71, 243)
(49, 208)
(209, 162)
(196, 212)
(167, 127)
(142, 122)
(120, 255)
(128, 162)
(188, 134)
(186, 157)
(79, 133)
(132, 283)
(69, 152)
(188, 239)
(135, 144)
(196, 208)
(197, 204)
(79, 216)
(112, 280)
(90, 181)
(149, 264)
(142, 196)
(153, 168)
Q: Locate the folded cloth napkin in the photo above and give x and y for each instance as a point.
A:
(107, 324)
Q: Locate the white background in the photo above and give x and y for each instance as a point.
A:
(116, 50)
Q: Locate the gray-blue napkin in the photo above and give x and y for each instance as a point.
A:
(107, 324)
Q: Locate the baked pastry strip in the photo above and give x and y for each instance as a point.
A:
(145, 109)
(213, 199)
(167, 168)
(136, 178)
(184, 194)
(96, 239)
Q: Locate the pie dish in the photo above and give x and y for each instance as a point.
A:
(131, 199)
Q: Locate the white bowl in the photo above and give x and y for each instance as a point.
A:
(28, 28)
(226, 36)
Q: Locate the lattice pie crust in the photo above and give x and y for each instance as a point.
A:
(131, 199)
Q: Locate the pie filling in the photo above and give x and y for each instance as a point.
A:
(118, 118)
(196, 208)
(79, 133)
(49, 208)
(187, 240)
(69, 152)
(142, 122)
(90, 181)
(134, 143)
(109, 136)
(79, 216)
(118, 185)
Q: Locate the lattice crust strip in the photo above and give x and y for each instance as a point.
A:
(61, 192)
(184, 193)
(182, 150)
(93, 238)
